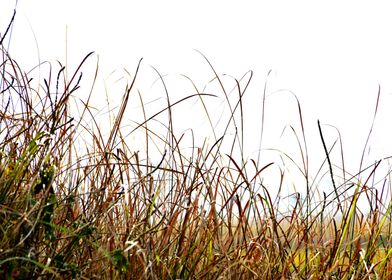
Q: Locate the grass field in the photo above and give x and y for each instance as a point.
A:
(77, 202)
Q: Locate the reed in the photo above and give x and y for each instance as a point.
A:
(77, 202)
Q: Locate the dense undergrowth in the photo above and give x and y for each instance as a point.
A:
(104, 211)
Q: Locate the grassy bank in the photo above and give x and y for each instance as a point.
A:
(79, 203)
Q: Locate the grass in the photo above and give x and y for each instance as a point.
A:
(77, 202)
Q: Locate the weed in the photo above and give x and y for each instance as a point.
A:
(76, 202)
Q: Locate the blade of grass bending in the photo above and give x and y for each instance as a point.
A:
(347, 222)
(262, 116)
(329, 163)
(163, 110)
(231, 109)
(116, 127)
(8, 28)
(371, 127)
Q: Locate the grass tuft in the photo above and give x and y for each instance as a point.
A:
(78, 201)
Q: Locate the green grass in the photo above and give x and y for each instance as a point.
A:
(76, 202)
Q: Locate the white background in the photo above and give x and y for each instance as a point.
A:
(333, 55)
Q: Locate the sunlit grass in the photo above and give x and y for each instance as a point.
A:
(77, 202)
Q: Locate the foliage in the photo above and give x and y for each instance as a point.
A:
(78, 203)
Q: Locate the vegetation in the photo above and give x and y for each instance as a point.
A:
(76, 202)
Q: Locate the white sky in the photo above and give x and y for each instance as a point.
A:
(332, 54)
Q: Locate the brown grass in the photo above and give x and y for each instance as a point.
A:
(78, 203)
